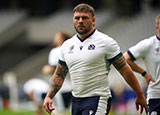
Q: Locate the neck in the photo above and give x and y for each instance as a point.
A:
(83, 36)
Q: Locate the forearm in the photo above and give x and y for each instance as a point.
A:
(135, 67)
(55, 86)
(131, 79)
(132, 64)
(57, 80)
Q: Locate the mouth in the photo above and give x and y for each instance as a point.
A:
(80, 27)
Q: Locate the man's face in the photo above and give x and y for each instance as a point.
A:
(158, 25)
(83, 22)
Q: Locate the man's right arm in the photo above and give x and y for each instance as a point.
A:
(55, 85)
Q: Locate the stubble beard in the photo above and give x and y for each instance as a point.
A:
(85, 31)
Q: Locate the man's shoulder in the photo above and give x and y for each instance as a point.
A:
(56, 49)
(148, 40)
(151, 38)
(144, 44)
(103, 36)
(69, 42)
(71, 39)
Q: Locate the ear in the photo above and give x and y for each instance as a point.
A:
(157, 27)
(93, 20)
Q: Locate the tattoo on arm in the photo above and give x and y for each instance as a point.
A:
(119, 63)
(57, 80)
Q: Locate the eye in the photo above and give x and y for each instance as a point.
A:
(84, 17)
(76, 18)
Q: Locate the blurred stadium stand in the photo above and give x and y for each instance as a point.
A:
(10, 19)
(27, 28)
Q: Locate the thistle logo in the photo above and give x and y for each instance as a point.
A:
(91, 47)
(157, 50)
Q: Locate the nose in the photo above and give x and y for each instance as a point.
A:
(80, 20)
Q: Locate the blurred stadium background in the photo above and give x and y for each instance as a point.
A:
(26, 32)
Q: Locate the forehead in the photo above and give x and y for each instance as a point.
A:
(158, 19)
(82, 13)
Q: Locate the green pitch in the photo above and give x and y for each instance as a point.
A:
(66, 112)
(8, 112)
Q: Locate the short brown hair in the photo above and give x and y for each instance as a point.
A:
(84, 8)
(158, 19)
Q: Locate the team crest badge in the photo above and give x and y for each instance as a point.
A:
(91, 47)
(157, 50)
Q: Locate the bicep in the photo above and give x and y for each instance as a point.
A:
(61, 71)
(119, 62)
(123, 68)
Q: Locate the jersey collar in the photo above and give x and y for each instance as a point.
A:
(86, 36)
(157, 37)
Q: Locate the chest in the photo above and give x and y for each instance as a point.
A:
(154, 52)
(84, 53)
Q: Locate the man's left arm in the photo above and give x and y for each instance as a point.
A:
(124, 69)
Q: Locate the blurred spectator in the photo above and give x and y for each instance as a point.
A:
(36, 90)
(121, 99)
(118, 101)
(63, 98)
(58, 40)
(4, 96)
